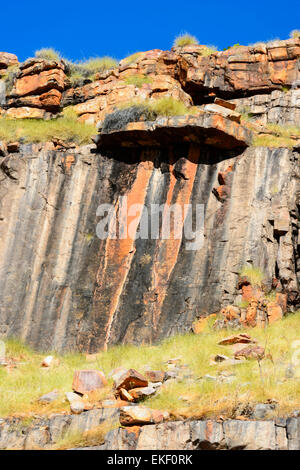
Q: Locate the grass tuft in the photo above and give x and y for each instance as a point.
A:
(93, 437)
(88, 69)
(295, 34)
(137, 79)
(185, 39)
(48, 54)
(254, 275)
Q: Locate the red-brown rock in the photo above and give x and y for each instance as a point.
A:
(85, 381)
(241, 338)
(130, 379)
(155, 375)
(250, 352)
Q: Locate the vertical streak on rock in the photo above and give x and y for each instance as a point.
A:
(119, 253)
(167, 252)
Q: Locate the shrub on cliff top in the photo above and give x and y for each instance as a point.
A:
(88, 69)
(98, 64)
(48, 54)
(295, 33)
(121, 117)
(185, 40)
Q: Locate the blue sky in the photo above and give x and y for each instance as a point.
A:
(83, 29)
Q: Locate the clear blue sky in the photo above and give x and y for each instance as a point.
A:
(83, 29)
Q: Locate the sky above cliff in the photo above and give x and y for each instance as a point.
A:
(80, 30)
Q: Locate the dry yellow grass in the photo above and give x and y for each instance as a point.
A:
(22, 386)
(66, 128)
(94, 437)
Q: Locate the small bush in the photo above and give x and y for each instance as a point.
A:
(138, 80)
(185, 40)
(295, 34)
(10, 76)
(253, 274)
(87, 70)
(48, 54)
(121, 117)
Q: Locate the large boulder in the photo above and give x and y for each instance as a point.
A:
(85, 381)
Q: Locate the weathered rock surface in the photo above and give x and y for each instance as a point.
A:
(82, 292)
(85, 381)
(208, 435)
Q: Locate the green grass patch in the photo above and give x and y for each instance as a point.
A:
(272, 141)
(138, 80)
(165, 106)
(66, 128)
(253, 274)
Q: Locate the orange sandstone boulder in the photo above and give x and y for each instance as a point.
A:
(85, 381)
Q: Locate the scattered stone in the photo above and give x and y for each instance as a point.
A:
(176, 360)
(85, 381)
(220, 358)
(171, 375)
(155, 385)
(3, 149)
(130, 379)
(140, 415)
(240, 338)
(289, 371)
(225, 104)
(263, 411)
(155, 375)
(209, 378)
(49, 397)
(142, 392)
(224, 111)
(250, 352)
(126, 396)
(13, 147)
(274, 312)
(135, 415)
(77, 405)
(47, 361)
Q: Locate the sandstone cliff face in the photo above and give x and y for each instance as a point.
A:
(62, 287)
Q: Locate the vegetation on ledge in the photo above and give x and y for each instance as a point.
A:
(201, 395)
(66, 128)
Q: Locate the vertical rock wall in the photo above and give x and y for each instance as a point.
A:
(61, 287)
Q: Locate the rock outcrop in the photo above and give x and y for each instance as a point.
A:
(61, 286)
(232, 434)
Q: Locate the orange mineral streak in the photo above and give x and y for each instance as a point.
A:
(167, 252)
(119, 252)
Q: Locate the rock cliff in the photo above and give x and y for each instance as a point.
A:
(63, 288)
